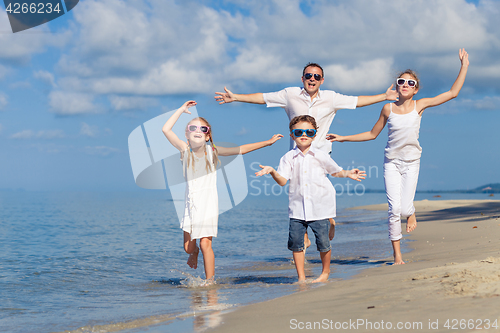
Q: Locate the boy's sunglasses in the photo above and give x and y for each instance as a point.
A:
(411, 83)
(317, 77)
(203, 129)
(299, 132)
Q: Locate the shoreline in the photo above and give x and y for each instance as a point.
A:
(451, 276)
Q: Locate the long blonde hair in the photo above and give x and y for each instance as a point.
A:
(215, 155)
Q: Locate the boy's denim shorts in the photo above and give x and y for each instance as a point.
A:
(298, 229)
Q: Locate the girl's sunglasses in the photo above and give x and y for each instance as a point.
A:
(299, 132)
(317, 77)
(203, 129)
(411, 83)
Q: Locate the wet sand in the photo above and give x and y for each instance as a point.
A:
(451, 281)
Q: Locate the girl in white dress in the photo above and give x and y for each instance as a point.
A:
(402, 153)
(199, 158)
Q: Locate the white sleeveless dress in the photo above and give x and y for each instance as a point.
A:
(201, 212)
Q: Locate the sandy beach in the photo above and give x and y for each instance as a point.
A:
(451, 282)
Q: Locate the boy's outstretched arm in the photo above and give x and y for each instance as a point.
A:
(354, 174)
(227, 97)
(266, 170)
(223, 151)
(390, 95)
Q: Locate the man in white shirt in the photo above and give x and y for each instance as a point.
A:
(311, 195)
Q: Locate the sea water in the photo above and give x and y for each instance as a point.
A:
(114, 262)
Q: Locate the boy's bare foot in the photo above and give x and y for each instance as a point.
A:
(331, 233)
(322, 278)
(411, 223)
(193, 258)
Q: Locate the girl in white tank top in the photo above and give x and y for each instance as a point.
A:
(402, 153)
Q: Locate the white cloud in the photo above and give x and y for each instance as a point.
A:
(131, 103)
(371, 75)
(72, 103)
(19, 47)
(51, 148)
(1, 128)
(26, 134)
(161, 47)
(45, 77)
(102, 151)
(486, 103)
(88, 130)
(47, 134)
(3, 101)
(242, 131)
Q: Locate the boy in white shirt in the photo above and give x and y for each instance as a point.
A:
(311, 194)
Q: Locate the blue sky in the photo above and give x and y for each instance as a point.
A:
(71, 91)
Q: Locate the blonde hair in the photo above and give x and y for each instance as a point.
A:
(215, 156)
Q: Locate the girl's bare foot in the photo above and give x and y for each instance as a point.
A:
(193, 258)
(398, 259)
(411, 223)
(331, 233)
(322, 278)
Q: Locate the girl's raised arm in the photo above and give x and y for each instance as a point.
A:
(223, 151)
(167, 128)
(424, 103)
(365, 136)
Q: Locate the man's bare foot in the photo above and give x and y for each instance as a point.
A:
(322, 278)
(193, 258)
(411, 223)
(331, 233)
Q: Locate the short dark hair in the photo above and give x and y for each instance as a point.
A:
(313, 64)
(306, 118)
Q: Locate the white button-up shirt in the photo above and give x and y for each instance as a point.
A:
(311, 194)
(296, 101)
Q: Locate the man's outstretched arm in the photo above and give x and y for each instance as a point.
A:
(228, 97)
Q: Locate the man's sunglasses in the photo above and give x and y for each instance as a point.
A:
(203, 129)
(307, 76)
(411, 82)
(299, 132)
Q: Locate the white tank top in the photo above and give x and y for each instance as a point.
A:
(403, 136)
